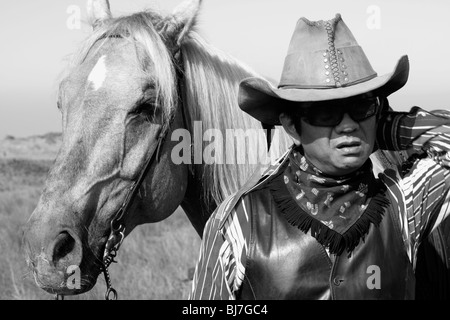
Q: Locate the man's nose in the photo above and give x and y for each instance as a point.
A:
(347, 124)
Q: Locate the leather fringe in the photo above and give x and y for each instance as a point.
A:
(335, 241)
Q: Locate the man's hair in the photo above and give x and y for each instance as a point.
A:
(293, 111)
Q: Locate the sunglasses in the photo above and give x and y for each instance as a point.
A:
(330, 114)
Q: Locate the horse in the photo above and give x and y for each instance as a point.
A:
(137, 90)
(137, 86)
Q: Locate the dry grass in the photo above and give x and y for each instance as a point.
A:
(154, 261)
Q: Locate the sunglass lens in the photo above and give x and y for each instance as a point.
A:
(330, 116)
(323, 117)
(364, 109)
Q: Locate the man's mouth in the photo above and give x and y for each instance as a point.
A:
(349, 146)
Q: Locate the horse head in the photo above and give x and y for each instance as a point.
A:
(119, 103)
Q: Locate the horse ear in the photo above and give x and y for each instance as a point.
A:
(98, 11)
(183, 19)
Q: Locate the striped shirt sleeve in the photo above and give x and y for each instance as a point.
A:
(221, 267)
(209, 278)
(425, 188)
(419, 129)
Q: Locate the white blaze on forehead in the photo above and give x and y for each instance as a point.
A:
(98, 73)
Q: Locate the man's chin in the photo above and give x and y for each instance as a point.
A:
(349, 165)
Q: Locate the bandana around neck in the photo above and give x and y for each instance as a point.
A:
(337, 210)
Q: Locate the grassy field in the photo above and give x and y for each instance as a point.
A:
(154, 262)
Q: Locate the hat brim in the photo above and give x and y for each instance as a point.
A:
(259, 98)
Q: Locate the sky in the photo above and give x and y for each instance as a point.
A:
(37, 38)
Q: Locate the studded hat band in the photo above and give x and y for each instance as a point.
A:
(327, 57)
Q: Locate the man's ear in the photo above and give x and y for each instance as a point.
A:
(288, 124)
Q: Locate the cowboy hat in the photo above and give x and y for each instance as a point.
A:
(324, 62)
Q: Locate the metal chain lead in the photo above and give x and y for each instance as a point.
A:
(109, 289)
(107, 260)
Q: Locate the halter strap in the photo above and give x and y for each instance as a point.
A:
(117, 233)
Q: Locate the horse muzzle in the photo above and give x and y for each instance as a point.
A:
(56, 262)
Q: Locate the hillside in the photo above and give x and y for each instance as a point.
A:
(40, 147)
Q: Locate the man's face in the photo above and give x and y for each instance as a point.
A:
(342, 149)
(339, 149)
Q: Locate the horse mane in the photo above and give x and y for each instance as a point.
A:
(211, 80)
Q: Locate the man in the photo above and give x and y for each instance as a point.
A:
(319, 224)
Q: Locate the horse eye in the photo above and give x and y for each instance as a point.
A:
(146, 111)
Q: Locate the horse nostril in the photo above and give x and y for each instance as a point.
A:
(64, 245)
